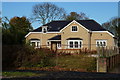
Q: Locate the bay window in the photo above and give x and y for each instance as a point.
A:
(74, 44)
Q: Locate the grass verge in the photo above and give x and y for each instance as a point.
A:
(20, 74)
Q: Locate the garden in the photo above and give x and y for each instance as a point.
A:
(27, 58)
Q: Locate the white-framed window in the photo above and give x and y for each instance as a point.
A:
(75, 44)
(58, 45)
(101, 43)
(74, 29)
(35, 43)
(48, 43)
(44, 29)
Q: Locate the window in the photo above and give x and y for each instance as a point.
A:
(71, 44)
(44, 30)
(97, 43)
(74, 44)
(101, 43)
(58, 45)
(35, 43)
(48, 43)
(74, 28)
(80, 45)
(104, 43)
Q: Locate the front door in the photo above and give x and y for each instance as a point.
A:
(54, 46)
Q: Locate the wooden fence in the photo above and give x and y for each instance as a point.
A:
(108, 58)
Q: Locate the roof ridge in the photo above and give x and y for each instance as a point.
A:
(75, 20)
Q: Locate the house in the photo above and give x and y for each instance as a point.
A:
(71, 35)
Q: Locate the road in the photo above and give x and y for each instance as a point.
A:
(69, 75)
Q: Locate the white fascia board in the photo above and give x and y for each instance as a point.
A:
(75, 22)
(105, 32)
(52, 32)
(30, 33)
(39, 32)
(54, 40)
(27, 34)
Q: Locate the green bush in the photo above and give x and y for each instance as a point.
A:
(24, 55)
(30, 57)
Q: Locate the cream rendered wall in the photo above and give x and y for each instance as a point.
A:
(66, 33)
(101, 36)
(42, 36)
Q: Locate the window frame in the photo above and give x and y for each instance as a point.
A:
(101, 41)
(78, 41)
(48, 43)
(44, 28)
(59, 45)
(72, 29)
(37, 43)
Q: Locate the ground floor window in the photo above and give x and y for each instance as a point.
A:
(35, 43)
(101, 43)
(59, 45)
(74, 43)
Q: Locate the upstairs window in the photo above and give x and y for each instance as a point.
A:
(44, 29)
(74, 29)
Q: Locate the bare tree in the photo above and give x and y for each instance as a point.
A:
(113, 25)
(47, 12)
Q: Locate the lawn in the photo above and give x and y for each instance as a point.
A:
(20, 74)
(62, 63)
(75, 62)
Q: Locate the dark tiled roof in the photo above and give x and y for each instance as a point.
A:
(34, 39)
(38, 29)
(58, 37)
(91, 25)
(74, 39)
(56, 26)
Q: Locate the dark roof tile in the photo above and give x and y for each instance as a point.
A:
(56, 26)
(58, 37)
(74, 39)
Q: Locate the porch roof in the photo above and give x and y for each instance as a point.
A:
(58, 37)
(34, 39)
(74, 39)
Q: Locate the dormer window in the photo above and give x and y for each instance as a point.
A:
(74, 29)
(44, 29)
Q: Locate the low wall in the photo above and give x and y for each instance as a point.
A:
(71, 51)
(77, 51)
